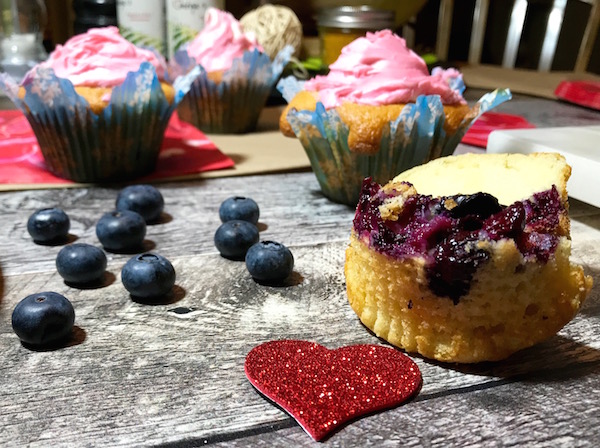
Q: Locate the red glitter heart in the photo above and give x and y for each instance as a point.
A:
(323, 389)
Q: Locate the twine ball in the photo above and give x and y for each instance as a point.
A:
(275, 26)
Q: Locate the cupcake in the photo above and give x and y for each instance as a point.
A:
(466, 258)
(377, 113)
(98, 106)
(235, 79)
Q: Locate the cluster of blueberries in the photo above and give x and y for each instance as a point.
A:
(237, 238)
(47, 318)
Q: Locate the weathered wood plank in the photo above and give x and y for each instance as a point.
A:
(144, 375)
(502, 413)
(293, 211)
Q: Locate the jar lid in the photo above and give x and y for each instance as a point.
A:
(360, 17)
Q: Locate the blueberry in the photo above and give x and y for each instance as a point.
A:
(455, 261)
(509, 223)
(81, 263)
(143, 199)
(48, 225)
(43, 319)
(482, 205)
(148, 276)
(269, 262)
(121, 230)
(234, 238)
(239, 208)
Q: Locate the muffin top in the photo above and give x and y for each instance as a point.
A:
(101, 57)
(380, 69)
(509, 177)
(220, 41)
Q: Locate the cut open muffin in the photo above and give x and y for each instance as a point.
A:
(466, 258)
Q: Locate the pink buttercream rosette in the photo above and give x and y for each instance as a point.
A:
(235, 77)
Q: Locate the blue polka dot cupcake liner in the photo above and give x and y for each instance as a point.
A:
(232, 104)
(121, 143)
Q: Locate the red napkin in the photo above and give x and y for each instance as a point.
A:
(583, 93)
(478, 133)
(185, 150)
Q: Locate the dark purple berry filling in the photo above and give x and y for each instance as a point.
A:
(448, 231)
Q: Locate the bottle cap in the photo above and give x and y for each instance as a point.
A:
(356, 17)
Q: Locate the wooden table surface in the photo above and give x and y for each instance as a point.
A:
(142, 375)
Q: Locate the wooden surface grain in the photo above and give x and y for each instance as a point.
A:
(145, 375)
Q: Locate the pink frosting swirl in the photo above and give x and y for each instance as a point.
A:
(101, 57)
(379, 69)
(220, 41)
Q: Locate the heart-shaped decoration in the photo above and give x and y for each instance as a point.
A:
(323, 389)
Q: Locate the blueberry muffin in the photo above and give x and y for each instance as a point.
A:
(466, 258)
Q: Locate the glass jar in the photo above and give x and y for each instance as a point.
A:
(22, 23)
(340, 26)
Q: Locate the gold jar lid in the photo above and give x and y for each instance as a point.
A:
(356, 17)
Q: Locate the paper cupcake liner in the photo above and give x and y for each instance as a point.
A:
(232, 105)
(120, 143)
(414, 138)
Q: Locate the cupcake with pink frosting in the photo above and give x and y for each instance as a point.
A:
(377, 112)
(236, 76)
(98, 106)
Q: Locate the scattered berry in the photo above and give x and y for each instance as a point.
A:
(121, 230)
(48, 225)
(143, 199)
(239, 208)
(234, 238)
(81, 263)
(269, 262)
(43, 319)
(148, 276)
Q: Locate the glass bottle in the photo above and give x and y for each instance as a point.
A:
(22, 24)
(94, 14)
(143, 23)
(185, 18)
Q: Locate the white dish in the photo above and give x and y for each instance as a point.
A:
(579, 145)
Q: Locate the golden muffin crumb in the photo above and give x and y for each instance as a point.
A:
(508, 307)
(365, 122)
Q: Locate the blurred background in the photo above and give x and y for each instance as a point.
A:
(420, 21)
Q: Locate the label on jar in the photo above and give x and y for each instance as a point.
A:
(143, 23)
(185, 18)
